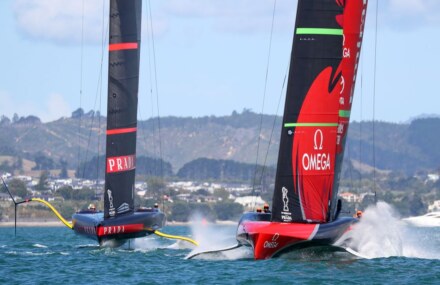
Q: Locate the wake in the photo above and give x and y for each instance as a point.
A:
(380, 233)
(212, 237)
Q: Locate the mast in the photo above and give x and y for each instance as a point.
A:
(123, 79)
(325, 54)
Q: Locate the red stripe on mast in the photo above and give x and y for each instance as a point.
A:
(121, 131)
(122, 46)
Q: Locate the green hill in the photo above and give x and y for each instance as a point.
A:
(406, 148)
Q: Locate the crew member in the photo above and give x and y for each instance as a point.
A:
(358, 214)
(156, 207)
(92, 208)
(258, 210)
(266, 208)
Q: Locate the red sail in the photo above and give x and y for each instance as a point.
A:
(325, 54)
(313, 149)
(353, 23)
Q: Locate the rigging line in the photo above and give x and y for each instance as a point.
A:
(139, 110)
(80, 85)
(154, 171)
(264, 99)
(274, 123)
(360, 121)
(157, 91)
(89, 137)
(143, 124)
(98, 94)
(374, 103)
(350, 165)
(15, 204)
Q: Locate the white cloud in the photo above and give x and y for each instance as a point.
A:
(409, 7)
(410, 14)
(160, 26)
(253, 16)
(48, 109)
(60, 21)
(223, 9)
(6, 104)
(247, 16)
(56, 107)
(10, 105)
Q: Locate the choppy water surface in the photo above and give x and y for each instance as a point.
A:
(398, 254)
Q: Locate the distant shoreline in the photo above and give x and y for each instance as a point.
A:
(32, 224)
(56, 223)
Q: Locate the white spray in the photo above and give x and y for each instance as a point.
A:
(380, 233)
(213, 237)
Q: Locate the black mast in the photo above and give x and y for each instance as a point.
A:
(123, 79)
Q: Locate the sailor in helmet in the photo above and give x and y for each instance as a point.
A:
(92, 207)
(266, 208)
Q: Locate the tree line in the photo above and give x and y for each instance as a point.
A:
(202, 169)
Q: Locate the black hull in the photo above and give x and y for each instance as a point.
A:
(116, 231)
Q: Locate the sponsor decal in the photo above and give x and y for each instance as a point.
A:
(87, 229)
(341, 100)
(317, 161)
(346, 52)
(273, 243)
(111, 210)
(286, 216)
(120, 229)
(111, 230)
(318, 137)
(358, 45)
(123, 208)
(121, 163)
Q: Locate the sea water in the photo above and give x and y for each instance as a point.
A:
(396, 254)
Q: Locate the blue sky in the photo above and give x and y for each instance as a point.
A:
(211, 58)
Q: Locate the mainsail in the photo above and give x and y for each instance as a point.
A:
(123, 80)
(324, 60)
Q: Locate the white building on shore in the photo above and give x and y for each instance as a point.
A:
(250, 202)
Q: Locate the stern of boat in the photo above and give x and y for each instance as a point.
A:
(116, 231)
(271, 239)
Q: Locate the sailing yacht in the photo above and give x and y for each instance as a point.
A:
(120, 220)
(305, 211)
(431, 219)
